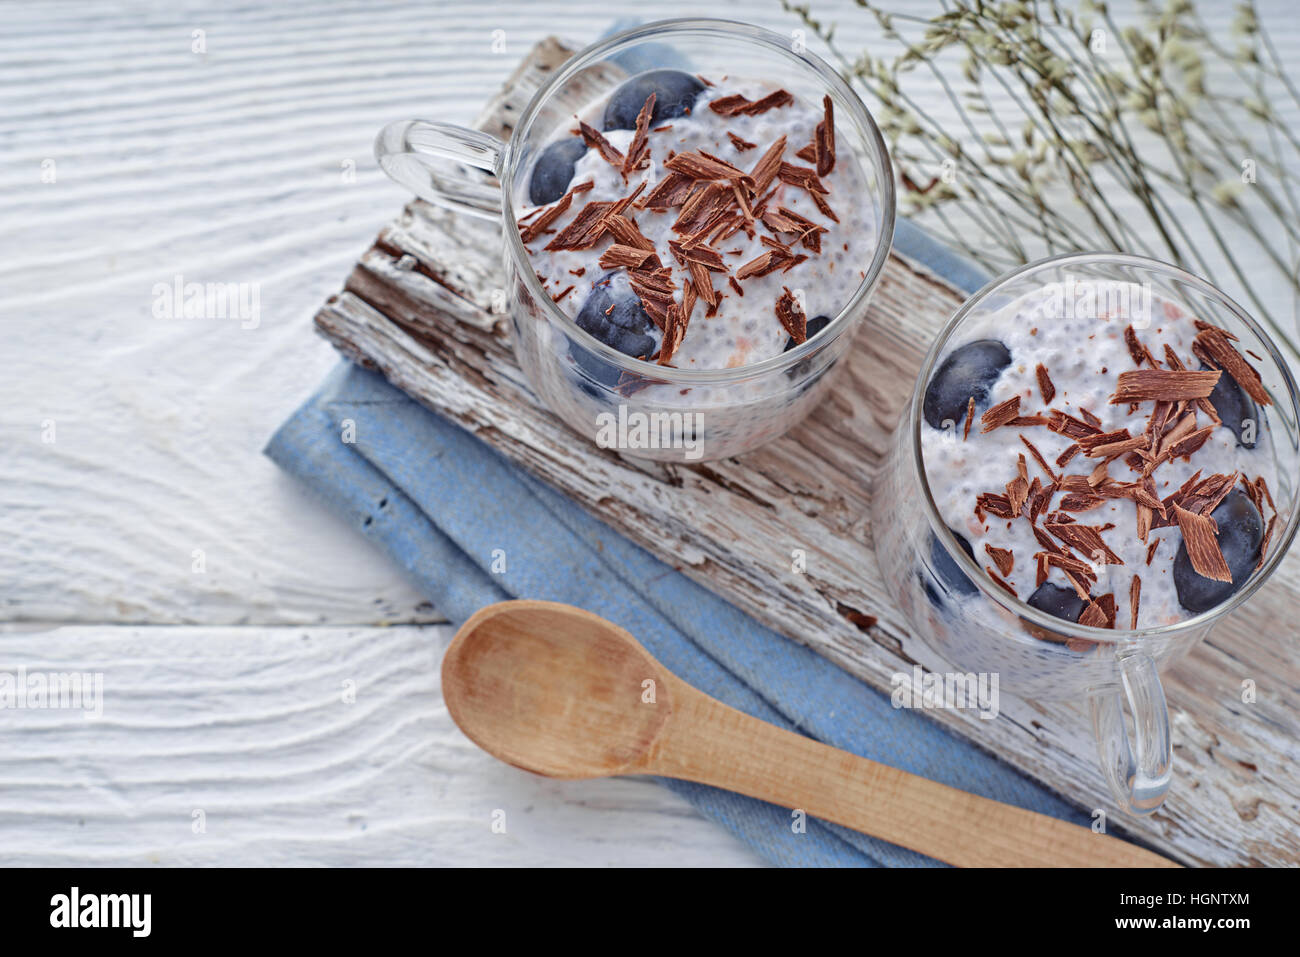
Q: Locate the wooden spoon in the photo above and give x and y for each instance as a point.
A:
(559, 691)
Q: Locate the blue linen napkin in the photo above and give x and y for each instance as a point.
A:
(441, 503)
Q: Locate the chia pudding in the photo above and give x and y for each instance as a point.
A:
(1110, 471)
(695, 223)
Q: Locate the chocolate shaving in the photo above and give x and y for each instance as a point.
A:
(1151, 549)
(1049, 544)
(1040, 496)
(1077, 572)
(768, 165)
(740, 145)
(1080, 503)
(970, 417)
(1001, 582)
(1107, 604)
(1268, 536)
(674, 332)
(994, 503)
(1170, 385)
(1202, 546)
(768, 262)
(627, 257)
(1136, 349)
(824, 207)
(792, 316)
(1093, 616)
(737, 105)
(1070, 452)
(1134, 599)
(1000, 414)
(584, 230)
(673, 190)
(607, 150)
(700, 165)
(1089, 443)
(1002, 557)
(1045, 384)
(1070, 427)
(638, 150)
(655, 290)
(802, 177)
(626, 232)
(1192, 443)
(824, 139)
(704, 209)
(1038, 457)
(538, 226)
(1214, 343)
(1085, 539)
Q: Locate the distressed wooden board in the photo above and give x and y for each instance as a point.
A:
(732, 525)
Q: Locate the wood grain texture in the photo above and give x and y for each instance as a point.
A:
(732, 526)
(299, 746)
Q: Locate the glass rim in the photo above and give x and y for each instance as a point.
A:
(1280, 544)
(835, 84)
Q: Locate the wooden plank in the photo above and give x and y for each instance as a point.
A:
(732, 525)
(303, 746)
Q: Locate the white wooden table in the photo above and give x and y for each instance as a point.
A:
(270, 681)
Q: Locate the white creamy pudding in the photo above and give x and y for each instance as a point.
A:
(698, 223)
(1108, 470)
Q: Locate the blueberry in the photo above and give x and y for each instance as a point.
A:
(1241, 532)
(1064, 603)
(554, 170)
(625, 327)
(815, 325)
(674, 91)
(946, 572)
(968, 371)
(1235, 407)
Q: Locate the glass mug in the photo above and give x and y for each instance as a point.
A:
(1035, 654)
(698, 414)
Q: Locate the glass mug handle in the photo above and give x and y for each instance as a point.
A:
(429, 159)
(1138, 776)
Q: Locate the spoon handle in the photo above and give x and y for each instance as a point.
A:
(709, 742)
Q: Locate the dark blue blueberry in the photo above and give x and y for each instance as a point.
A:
(625, 327)
(674, 91)
(1064, 603)
(1241, 532)
(815, 325)
(1235, 407)
(968, 371)
(946, 572)
(554, 169)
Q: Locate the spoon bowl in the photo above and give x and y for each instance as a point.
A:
(554, 690)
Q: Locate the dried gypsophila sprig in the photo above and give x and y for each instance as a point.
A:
(1073, 124)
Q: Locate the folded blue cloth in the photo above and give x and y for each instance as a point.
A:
(445, 507)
